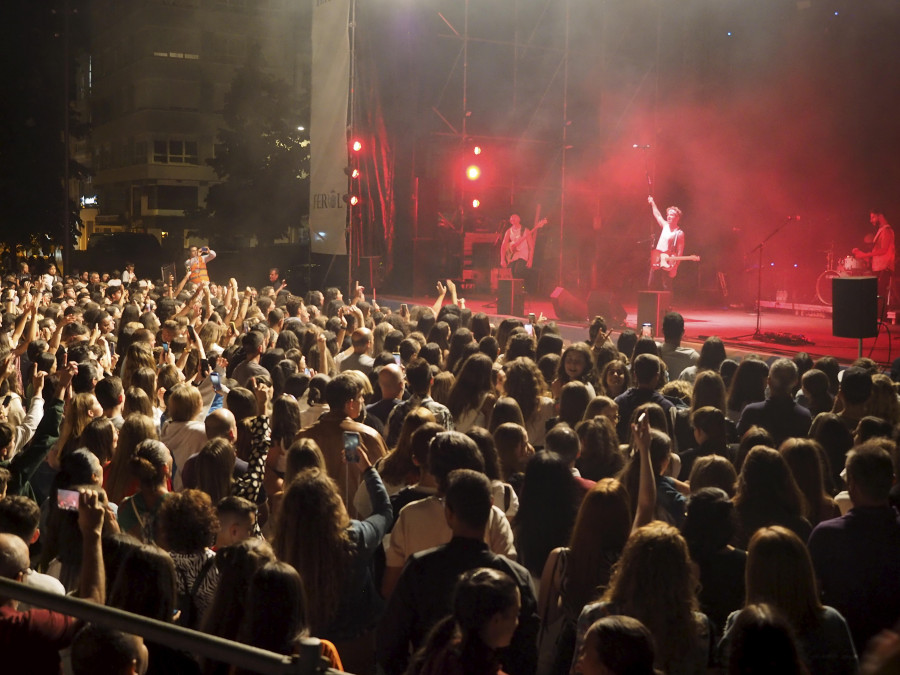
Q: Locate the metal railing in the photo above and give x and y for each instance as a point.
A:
(239, 655)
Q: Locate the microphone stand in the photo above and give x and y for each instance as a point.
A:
(759, 248)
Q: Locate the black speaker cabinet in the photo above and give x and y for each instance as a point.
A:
(567, 306)
(605, 304)
(652, 307)
(511, 297)
(854, 305)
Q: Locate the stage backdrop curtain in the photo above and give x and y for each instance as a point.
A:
(328, 126)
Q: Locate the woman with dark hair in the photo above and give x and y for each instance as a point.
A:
(615, 378)
(600, 455)
(752, 437)
(548, 343)
(712, 353)
(506, 410)
(829, 430)
(334, 555)
(617, 645)
(806, 460)
(458, 342)
(118, 480)
(151, 466)
(762, 642)
(275, 616)
(523, 382)
(547, 509)
(573, 401)
(708, 528)
(100, 436)
(486, 607)
(504, 494)
(186, 529)
(489, 346)
(313, 405)
(670, 502)
(602, 406)
(153, 597)
(816, 398)
(213, 467)
(713, 471)
(654, 583)
(575, 364)
(747, 386)
(709, 390)
(236, 565)
(767, 494)
(137, 402)
(471, 397)
(710, 438)
(780, 573)
(480, 325)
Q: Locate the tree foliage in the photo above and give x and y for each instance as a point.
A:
(262, 159)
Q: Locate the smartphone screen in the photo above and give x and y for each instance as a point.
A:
(529, 328)
(216, 381)
(351, 446)
(192, 332)
(403, 307)
(397, 359)
(165, 347)
(7, 400)
(531, 318)
(647, 330)
(67, 500)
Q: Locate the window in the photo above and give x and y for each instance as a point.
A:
(175, 151)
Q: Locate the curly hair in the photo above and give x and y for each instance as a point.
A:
(525, 384)
(655, 583)
(312, 535)
(187, 522)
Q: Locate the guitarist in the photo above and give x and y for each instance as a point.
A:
(517, 249)
(671, 242)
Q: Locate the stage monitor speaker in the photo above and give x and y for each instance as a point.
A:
(854, 306)
(605, 304)
(567, 306)
(511, 297)
(652, 307)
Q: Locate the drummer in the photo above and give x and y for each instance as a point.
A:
(882, 256)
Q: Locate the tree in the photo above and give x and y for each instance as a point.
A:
(262, 159)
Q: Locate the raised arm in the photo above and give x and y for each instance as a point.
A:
(656, 213)
(646, 504)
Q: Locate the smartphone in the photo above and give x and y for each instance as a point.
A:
(67, 500)
(404, 308)
(529, 328)
(397, 358)
(531, 318)
(216, 381)
(647, 330)
(192, 333)
(165, 347)
(7, 400)
(233, 328)
(351, 446)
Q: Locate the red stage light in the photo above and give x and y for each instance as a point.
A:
(473, 172)
(476, 203)
(356, 146)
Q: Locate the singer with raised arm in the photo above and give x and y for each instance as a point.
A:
(670, 246)
(881, 256)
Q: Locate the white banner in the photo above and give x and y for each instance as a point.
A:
(328, 126)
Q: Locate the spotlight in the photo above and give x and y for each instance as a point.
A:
(473, 172)
(356, 146)
(476, 150)
(476, 203)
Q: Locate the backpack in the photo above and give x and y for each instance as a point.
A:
(189, 613)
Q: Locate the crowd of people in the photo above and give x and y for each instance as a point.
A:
(426, 492)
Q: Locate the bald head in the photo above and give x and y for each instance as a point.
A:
(221, 424)
(390, 380)
(361, 339)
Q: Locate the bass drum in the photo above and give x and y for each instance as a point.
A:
(823, 286)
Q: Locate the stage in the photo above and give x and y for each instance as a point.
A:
(785, 328)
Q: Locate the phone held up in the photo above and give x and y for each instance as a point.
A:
(351, 446)
(67, 500)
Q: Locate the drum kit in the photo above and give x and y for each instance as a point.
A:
(848, 266)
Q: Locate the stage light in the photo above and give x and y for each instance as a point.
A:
(350, 171)
(356, 146)
(352, 200)
(476, 150)
(473, 172)
(476, 203)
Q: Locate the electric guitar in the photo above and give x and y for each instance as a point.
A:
(527, 235)
(663, 261)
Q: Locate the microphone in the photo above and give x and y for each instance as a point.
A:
(640, 147)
